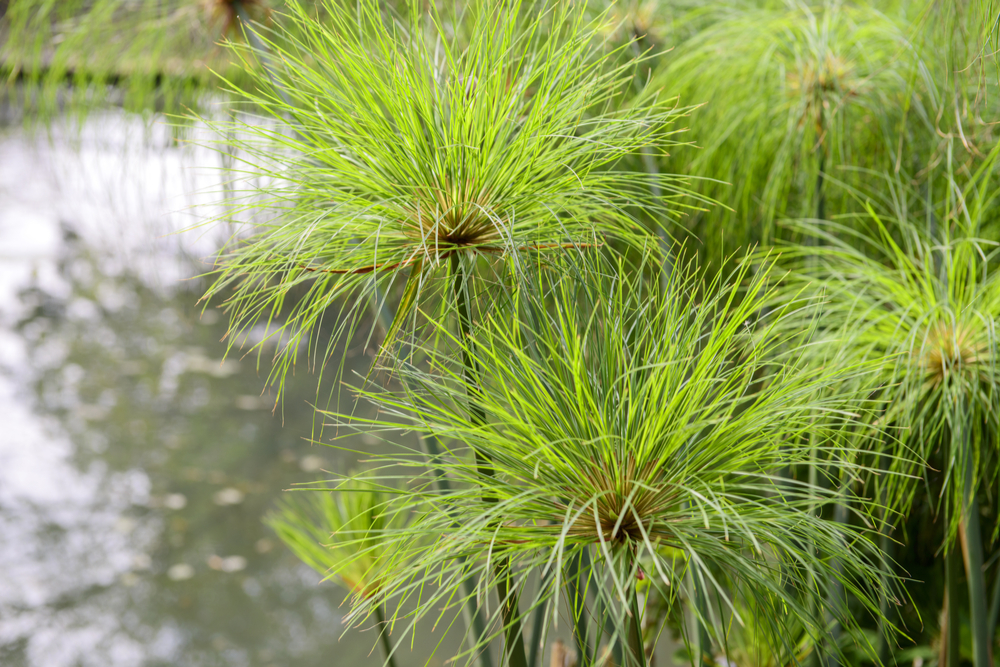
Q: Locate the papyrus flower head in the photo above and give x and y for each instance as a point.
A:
(622, 419)
(393, 144)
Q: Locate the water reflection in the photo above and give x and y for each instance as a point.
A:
(135, 465)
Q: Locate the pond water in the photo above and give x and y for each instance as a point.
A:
(135, 464)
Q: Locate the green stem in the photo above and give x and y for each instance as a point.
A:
(697, 618)
(536, 631)
(474, 623)
(887, 547)
(384, 636)
(514, 651)
(972, 548)
(950, 647)
(704, 638)
(617, 652)
(649, 163)
(820, 195)
(991, 629)
(579, 576)
(838, 601)
(636, 648)
(252, 37)
(814, 607)
(538, 622)
(258, 45)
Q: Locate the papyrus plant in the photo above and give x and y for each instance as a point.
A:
(339, 533)
(920, 289)
(627, 423)
(791, 91)
(391, 145)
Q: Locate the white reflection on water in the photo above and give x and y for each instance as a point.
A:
(66, 539)
(135, 466)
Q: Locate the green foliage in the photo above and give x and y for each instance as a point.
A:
(605, 419)
(340, 532)
(789, 93)
(626, 423)
(922, 292)
(743, 645)
(158, 53)
(392, 145)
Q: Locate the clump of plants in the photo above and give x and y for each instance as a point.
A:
(592, 416)
(916, 286)
(612, 436)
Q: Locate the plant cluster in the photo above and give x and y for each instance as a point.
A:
(720, 386)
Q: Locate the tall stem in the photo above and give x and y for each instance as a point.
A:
(837, 591)
(636, 648)
(972, 549)
(697, 617)
(475, 626)
(653, 170)
(514, 651)
(384, 636)
(704, 638)
(814, 606)
(617, 653)
(258, 45)
(991, 629)
(252, 37)
(579, 576)
(838, 601)
(887, 546)
(820, 195)
(950, 633)
(535, 648)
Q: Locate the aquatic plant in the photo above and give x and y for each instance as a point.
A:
(391, 147)
(339, 533)
(789, 93)
(921, 291)
(609, 422)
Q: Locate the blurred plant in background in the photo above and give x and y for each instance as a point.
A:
(343, 534)
(921, 290)
(159, 55)
(792, 93)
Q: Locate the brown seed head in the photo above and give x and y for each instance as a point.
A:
(952, 348)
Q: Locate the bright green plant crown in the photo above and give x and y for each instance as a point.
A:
(789, 91)
(392, 145)
(924, 295)
(631, 425)
(317, 526)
